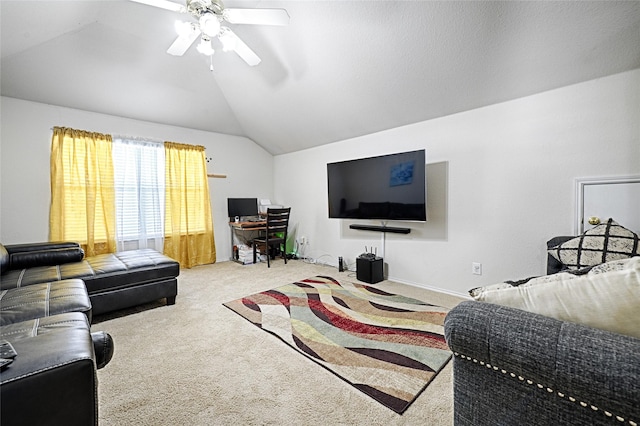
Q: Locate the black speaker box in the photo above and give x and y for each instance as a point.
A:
(369, 269)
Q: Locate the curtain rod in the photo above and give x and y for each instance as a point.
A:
(153, 140)
(138, 138)
(135, 138)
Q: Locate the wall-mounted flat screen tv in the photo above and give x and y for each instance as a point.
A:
(386, 187)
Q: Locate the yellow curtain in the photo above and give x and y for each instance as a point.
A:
(82, 190)
(188, 224)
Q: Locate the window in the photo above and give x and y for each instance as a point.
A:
(118, 193)
(138, 169)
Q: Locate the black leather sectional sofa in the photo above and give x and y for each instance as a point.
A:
(114, 281)
(48, 295)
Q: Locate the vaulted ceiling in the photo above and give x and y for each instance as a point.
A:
(340, 69)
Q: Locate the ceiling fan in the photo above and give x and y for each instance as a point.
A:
(210, 16)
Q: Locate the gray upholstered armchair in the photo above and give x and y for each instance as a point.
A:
(578, 364)
(513, 367)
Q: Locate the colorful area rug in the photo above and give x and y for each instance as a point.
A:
(386, 345)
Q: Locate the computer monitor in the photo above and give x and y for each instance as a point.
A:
(242, 207)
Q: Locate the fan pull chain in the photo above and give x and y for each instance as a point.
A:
(211, 66)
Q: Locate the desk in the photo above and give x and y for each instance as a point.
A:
(239, 235)
(248, 225)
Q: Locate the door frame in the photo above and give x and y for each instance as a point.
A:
(580, 185)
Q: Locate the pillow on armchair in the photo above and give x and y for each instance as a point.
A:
(603, 243)
(606, 297)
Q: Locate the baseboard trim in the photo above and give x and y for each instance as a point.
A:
(432, 288)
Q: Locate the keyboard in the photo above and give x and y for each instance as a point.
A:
(251, 224)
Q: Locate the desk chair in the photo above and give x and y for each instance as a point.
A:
(275, 233)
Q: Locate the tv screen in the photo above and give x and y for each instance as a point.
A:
(242, 207)
(387, 187)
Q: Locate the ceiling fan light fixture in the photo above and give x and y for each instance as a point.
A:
(209, 24)
(209, 16)
(205, 46)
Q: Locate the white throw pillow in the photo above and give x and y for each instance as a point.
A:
(609, 300)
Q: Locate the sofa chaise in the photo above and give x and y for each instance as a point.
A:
(114, 281)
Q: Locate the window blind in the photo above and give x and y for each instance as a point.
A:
(139, 176)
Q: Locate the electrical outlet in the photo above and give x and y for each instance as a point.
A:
(476, 268)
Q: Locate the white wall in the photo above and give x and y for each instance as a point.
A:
(501, 182)
(500, 179)
(24, 165)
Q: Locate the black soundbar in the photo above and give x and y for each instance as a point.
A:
(380, 228)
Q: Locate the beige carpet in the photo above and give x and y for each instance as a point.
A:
(198, 363)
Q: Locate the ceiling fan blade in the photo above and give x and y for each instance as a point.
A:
(257, 16)
(183, 42)
(164, 4)
(239, 46)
